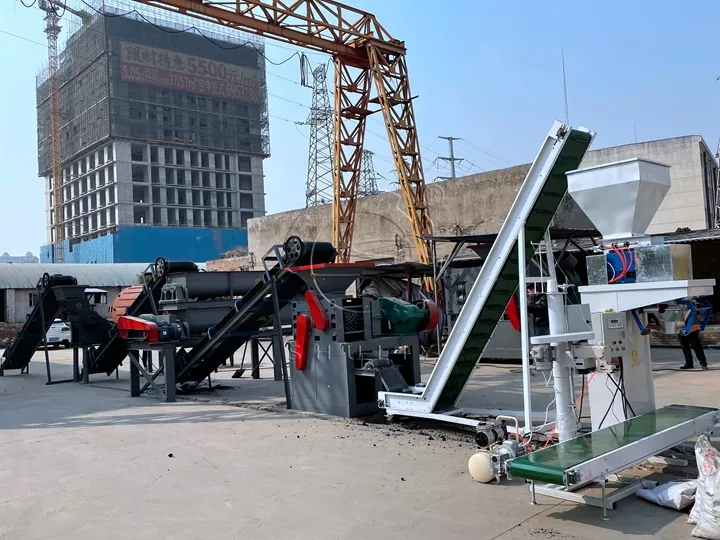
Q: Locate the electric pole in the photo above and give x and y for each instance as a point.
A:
(452, 159)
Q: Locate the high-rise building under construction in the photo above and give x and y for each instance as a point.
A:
(163, 135)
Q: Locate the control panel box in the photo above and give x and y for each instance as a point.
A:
(610, 331)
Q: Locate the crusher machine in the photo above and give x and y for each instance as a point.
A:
(348, 348)
(198, 320)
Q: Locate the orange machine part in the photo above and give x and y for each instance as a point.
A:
(124, 300)
(317, 311)
(303, 329)
(513, 313)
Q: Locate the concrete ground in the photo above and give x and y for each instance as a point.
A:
(89, 461)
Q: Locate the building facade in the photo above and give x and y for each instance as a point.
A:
(18, 293)
(163, 139)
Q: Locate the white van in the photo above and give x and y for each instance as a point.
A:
(58, 334)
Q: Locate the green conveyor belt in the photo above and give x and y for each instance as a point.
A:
(541, 216)
(550, 464)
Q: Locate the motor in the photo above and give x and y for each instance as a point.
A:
(490, 433)
(488, 464)
(541, 357)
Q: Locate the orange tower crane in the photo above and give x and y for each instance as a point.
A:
(52, 29)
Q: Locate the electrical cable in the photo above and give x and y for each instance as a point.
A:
(582, 396)
(612, 279)
(28, 6)
(623, 392)
(612, 402)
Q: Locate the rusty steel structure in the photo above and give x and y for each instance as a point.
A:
(363, 53)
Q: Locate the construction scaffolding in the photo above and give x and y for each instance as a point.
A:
(145, 74)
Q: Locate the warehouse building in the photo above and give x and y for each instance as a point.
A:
(103, 281)
(163, 138)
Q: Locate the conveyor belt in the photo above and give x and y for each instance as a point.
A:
(614, 448)
(58, 294)
(534, 208)
(108, 356)
(254, 312)
(18, 355)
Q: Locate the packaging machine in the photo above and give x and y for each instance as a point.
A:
(605, 336)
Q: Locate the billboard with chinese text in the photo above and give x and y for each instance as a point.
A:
(164, 68)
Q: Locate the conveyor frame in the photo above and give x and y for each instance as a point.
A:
(531, 214)
(678, 423)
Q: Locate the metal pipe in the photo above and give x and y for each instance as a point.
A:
(435, 293)
(604, 504)
(565, 421)
(41, 299)
(524, 336)
(513, 419)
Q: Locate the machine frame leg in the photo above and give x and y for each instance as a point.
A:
(76, 364)
(166, 361)
(604, 500)
(607, 501)
(168, 356)
(86, 365)
(255, 358)
(279, 342)
(532, 491)
(134, 378)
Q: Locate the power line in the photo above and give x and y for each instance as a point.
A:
(23, 38)
(485, 154)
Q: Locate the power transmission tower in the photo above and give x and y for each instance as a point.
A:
(368, 178)
(452, 159)
(319, 187)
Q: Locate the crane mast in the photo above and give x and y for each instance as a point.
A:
(52, 29)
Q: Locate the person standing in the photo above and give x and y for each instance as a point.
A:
(689, 343)
(538, 308)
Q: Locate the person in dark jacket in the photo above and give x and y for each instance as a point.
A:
(538, 308)
(690, 343)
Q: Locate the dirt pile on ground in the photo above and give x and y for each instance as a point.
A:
(8, 333)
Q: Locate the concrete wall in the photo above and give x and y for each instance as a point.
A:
(684, 205)
(480, 203)
(472, 204)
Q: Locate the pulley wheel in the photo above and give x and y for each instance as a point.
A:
(161, 267)
(293, 248)
(46, 280)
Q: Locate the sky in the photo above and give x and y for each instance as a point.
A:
(488, 72)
